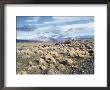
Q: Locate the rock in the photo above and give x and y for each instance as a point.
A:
(81, 55)
(69, 61)
(19, 64)
(63, 62)
(26, 52)
(34, 70)
(71, 53)
(18, 51)
(64, 50)
(56, 43)
(40, 52)
(74, 62)
(32, 67)
(50, 59)
(26, 56)
(43, 67)
(59, 58)
(42, 62)
(22, 72)
(87, 54)
(89, 46)
(54, 54)
(67, 42)
(53, 61)
(31, 63)
(51, 71)
(83, 52)
(75, 53)
(66, 62)
(29, 52)
(35, 52)
(58, 72)
(91, 52)
(61, 67)
(51, 66)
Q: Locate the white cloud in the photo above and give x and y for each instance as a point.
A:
(35, 34)
(76, 29)
(29, 24)
(63, 19)
(58, 18)
(25, 35)
(54, 29)
(45, 28)
(61, 30)
(33, 19)
(37, 24)
(77, 18)
(65, 28)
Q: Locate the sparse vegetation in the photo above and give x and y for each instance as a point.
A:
(69, 57)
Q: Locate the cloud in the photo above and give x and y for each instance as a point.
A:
(58, 32)
(32, 19)
(25, 35)
(34, 33)
(58, 29)
(45, 28)
(37, 24)
(77, 18)
(26, 28)
(76, 29)
(62, 19)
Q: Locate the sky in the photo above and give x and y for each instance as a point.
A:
(45, 28)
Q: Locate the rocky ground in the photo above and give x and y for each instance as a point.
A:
(69, 57)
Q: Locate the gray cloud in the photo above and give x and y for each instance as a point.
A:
(26, 28)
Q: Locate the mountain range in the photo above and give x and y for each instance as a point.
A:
(60, 39)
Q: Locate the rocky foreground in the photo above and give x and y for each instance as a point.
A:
(69, 57)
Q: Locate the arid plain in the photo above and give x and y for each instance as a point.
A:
(69, 57)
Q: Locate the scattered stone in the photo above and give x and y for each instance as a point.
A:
(68, 57)
(49, 58)
(42, 62)
(31, 63)
(51, 71)
(61, 67)
(22, 72)
(69, 62)
(43, 67)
